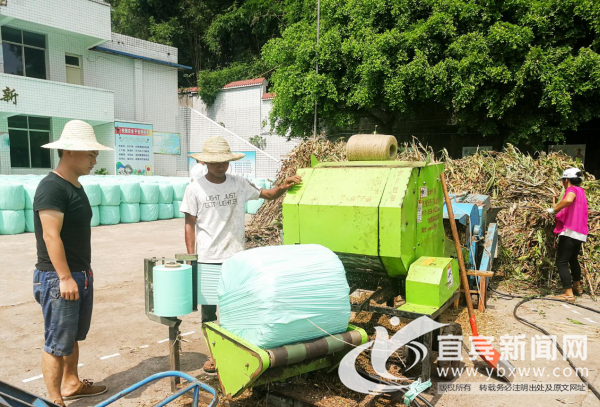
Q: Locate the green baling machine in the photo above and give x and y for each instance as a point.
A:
(384, 219)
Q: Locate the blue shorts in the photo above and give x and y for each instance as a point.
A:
(65, 322)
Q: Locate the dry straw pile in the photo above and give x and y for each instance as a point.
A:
(521, 185)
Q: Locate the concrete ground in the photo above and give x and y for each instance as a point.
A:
(124, 346)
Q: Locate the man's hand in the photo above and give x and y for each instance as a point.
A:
(291, 181)
(69, 289)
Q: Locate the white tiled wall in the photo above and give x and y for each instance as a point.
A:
(90, 19)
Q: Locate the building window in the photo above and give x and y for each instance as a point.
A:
(73, 64)
(24, 53)
(27, 136)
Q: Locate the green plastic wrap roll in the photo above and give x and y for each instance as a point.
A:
(179, 190)
(29, 190)
(148, 212)
(29, 225)
(176, 213)
(12, 222)
(172, 290)
(110, 215)
(149, 193)
(12, 196)
(165, 211)
(95, 216)
(166, 194)
(130, 212)
(110, 194)
(130, 192)
(92, 190)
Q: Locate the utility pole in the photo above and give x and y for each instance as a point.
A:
(317, 62)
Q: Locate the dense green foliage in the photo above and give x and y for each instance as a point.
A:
(524, 69)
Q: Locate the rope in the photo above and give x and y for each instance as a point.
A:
(371, 147)
(415, 389)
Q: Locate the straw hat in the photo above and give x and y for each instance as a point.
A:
(216, 150)
(77, 136)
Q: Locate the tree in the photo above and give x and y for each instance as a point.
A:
(524, 69)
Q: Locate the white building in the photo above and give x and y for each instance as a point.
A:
(240, 113)
(60, 61)
(63, 62)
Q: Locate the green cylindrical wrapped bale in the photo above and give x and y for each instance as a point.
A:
(92, 190)
(165, 211)
(176, 213)
(12, 222)
(166, 194)
(29, 224)
(12, 196)
(172, 290)
(130, 192)
(29, 190)
(110, 194)
(179, 190)
(148, 212)
(130, 212)
(149, 193)
(253, 206)
(110, 215)
(95, 216)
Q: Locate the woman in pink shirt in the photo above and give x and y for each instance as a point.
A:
(572, 230)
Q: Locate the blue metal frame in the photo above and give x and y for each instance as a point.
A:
(194, 385)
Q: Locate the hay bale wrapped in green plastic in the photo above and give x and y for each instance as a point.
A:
(110, 193)
(130, 192)
(166, 194)
(149, 193)
(12, 196)
(93, 192)
(29, 223)
(179, 190)
(12, 222)
(110, 215)
(165, 211)
(130, 212)
(273, 296)
(95, 216)
(176, 213)
(148, 212)
(29, 190)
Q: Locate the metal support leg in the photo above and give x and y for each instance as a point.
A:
(427, 359)
(174, 349)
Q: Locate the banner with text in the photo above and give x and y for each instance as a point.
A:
(134, 148)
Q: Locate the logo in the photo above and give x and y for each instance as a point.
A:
(383, 348)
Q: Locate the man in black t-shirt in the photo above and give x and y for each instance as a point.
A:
(63, 281)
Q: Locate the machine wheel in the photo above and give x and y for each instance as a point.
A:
(451, 329)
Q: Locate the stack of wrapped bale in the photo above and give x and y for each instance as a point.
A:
(130, 202)
(149, 193)
(12, 208)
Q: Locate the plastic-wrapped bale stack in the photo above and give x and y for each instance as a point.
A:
(12, 208)
(130, 202)
(94, 194)
(29, 190)
(178, 192)
(273, 296)
(110, 201)
(149, 193)
(165, 201)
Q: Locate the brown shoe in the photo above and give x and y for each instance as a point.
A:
(577, 290)
(87, 388)
(210, 366)
(563, 297)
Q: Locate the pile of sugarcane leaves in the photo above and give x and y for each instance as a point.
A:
(521, 185)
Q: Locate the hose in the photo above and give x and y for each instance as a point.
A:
(383, 381)
(534, 326)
